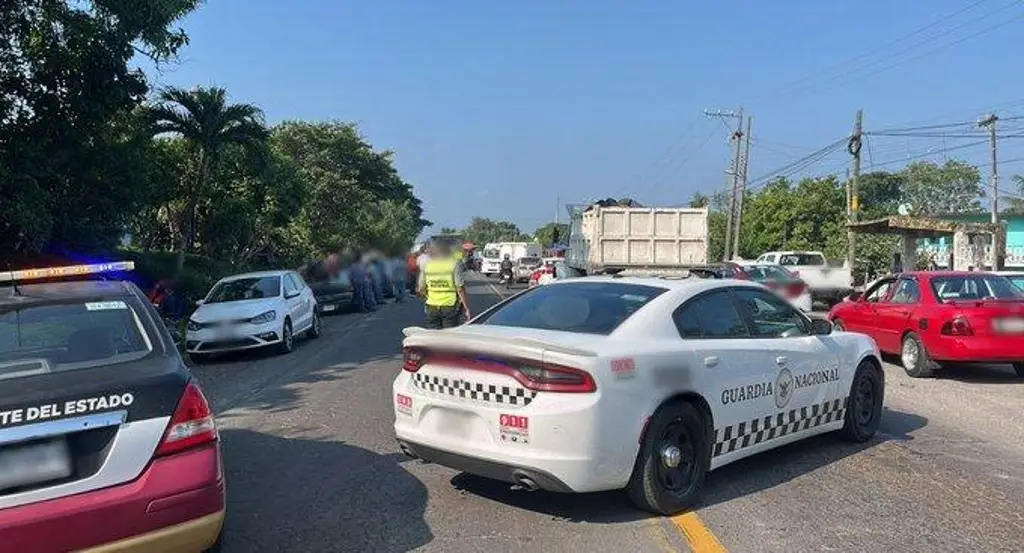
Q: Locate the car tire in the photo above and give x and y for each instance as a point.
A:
(655, 485)
(315, 329)
(915, 359)
(838, 326)
(1019, 369)
(864, 404)
(287, 343)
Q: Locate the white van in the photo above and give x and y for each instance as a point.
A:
(494, 252)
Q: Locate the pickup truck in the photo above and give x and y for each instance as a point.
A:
(828, 285)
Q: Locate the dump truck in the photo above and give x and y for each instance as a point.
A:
(616, 238)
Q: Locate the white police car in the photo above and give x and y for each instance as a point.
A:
(253, 310)
(640, 383)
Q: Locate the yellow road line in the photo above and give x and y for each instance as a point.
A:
(697, 534)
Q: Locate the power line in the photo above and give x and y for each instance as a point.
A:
(934, 50)
(877, 49)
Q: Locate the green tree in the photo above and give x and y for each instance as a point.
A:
(482, 230)
(348, 187)
(1015, 203)
(551, 234)
(931, 189)
(699, 200)
(209, 124)
(70, 156)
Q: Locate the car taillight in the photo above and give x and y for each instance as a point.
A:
(795, 289)
(412, 360)
(959, 326)
(553, 378)
(533, 375)
(191, 425)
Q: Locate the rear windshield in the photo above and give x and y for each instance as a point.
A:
(44, 338)
(768, 272)
(1017, 280)
(802, 259)
(240, 289)
(529, 261)
(583, 307)
(492, 253)
(974, 287)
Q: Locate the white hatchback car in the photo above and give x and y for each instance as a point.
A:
(597, 383)
(253, 310)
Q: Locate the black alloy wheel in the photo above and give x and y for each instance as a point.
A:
(864, 404)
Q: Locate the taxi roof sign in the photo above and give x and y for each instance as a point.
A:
(71, 270)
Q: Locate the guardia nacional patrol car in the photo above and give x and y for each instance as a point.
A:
(645, 384)
(106, 442)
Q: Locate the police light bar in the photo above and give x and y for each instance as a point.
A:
(72, 270)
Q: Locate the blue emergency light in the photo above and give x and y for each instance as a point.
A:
(71, 270)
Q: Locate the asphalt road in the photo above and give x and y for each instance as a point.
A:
(312, 466)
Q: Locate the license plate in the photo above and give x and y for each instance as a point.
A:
(1010, 325)
(328, 308)
(456, 424)
(24, 465)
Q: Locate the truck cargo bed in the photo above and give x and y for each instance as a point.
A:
(606, 239)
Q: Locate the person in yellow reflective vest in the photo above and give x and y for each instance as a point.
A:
(442, 284)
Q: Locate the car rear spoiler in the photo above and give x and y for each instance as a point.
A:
(417, 336)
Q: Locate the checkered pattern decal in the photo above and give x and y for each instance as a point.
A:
(505, 395)
(746, 434)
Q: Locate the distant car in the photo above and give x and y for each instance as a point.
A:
(602, 383)
(332, 294)
(253, 310)
(929, 318)
(552, 269)
(106, 440)
(524, 267)
(781, 280)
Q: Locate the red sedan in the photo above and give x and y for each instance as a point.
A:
(936, 317)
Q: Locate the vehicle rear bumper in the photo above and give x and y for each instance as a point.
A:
(502, 471)
(193, 536)
(177, 504)
(977, 349)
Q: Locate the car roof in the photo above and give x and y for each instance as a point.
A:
(65, 290)
(256, 274)
(943, 273)
(671, 283)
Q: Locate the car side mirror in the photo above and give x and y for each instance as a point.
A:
(856, 296)
(200, 302)
(821, 327)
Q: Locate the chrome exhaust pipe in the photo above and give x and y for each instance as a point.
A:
(524, 482)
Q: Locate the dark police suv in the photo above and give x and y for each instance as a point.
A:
(106, 441)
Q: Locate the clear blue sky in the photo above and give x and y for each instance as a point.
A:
(494, 108)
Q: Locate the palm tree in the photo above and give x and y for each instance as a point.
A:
(204, 119)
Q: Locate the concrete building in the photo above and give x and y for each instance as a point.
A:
(939, 247)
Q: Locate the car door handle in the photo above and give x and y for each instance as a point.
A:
(710, 361)
(780, 360)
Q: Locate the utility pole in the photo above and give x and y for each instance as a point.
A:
(735, 173)
(853, 147)
(990, 122)
(743, 188)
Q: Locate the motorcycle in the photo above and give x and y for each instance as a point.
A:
(507, 279)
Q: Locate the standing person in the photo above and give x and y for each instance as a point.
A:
(362, 294)
(442, 282)
(400, 276)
